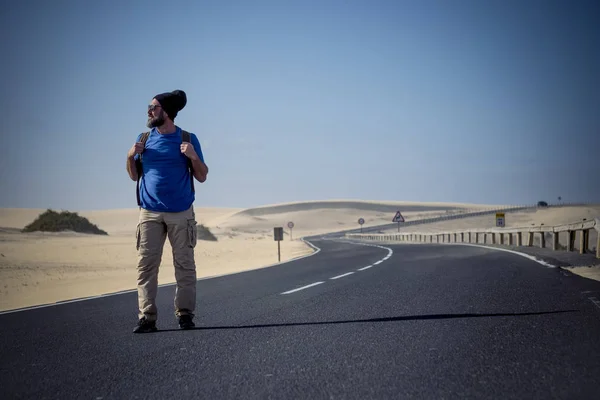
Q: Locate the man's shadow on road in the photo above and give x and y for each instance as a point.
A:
(371, 320)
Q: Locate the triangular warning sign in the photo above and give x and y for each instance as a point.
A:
(398, 217)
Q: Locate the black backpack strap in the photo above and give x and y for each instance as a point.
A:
(138, 166)
(186, 138)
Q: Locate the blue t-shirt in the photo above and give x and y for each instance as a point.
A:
(165, 184)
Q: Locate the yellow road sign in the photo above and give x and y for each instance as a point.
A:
(500, 220)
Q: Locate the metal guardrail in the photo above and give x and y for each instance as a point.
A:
(468, 235)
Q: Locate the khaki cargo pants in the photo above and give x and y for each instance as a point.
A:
(152, 230)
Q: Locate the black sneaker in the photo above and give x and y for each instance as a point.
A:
(185, 322)
(145, 326)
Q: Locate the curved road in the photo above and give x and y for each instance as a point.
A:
(354, 321)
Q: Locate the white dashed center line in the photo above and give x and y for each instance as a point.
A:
(302, 288)
(390, 252)
(341, 276)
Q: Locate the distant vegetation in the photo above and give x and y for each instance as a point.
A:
(205, 234)
(52, 221)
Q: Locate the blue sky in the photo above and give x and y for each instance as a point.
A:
(469, 101)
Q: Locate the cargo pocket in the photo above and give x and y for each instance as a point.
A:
(137, 236)
(192, 233)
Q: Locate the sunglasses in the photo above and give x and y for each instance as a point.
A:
(152, 107)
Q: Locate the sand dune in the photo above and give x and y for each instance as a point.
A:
(359, 205)
(37, 268)
(514, 219)
(318, 217)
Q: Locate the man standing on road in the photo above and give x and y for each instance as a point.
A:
(165, 167)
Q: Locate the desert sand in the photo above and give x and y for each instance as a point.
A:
(40, 268)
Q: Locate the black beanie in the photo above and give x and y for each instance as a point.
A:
(172, 102)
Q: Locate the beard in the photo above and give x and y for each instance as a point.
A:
(155, 122)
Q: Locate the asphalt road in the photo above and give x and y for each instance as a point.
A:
(408, 321)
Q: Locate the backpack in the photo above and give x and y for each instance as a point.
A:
(185, 137)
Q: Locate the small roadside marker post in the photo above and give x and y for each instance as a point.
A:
(361, 221)
(278, 236)
(398, 218)
(291, 226)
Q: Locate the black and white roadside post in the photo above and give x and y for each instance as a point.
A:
(278, 236)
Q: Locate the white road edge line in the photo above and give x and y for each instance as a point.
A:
(367, 267)
(532, 258)
(302, 288)
(343, 275)
(58, 303)
(595, 301)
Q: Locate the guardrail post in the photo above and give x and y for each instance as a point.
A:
(554, 240)
(542, 239)
(519, 239)
(571, 241)
(583, 241)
